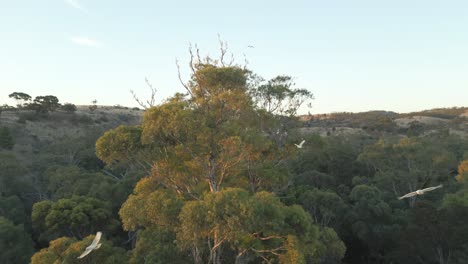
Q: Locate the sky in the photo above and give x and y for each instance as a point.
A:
(353, 56)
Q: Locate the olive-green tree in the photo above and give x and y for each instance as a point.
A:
(409, 164)
(66, 250)
(206, 148)
(6, 139)
(15, 243)
(21, 98)
(75, 216)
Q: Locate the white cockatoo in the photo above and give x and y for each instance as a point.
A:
(300, 144)
(94, 245)
(419, 192)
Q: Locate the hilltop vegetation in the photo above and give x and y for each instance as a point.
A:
(213, 176)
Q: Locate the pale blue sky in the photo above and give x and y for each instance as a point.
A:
(353, 55)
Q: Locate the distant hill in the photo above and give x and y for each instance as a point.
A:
(454, 120)
(34, 132)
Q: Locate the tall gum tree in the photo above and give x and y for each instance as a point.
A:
(207, 148)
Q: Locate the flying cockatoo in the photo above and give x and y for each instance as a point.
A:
(300, 144)
(94, 245)
(419, 192)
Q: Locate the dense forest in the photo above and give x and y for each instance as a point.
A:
(215, 175)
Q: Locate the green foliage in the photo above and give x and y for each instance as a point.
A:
(31, 116)
(332, 249)
(66, 250)
(258, 225)
(21, 98)
(75, 216)
(325, 207)
(82, 119)
(199, 146)
(12, 208)
(157, 245)
(278, 97)
(325, 162)
(12, 180)
(212, 127)
(410, 163)
(119, 144)
(441, 232)
(46, 103)
(155, 209)
(69, 108)
(373, 221)
(15, 243)
(65, 181)
(223, 182)
(6, 139)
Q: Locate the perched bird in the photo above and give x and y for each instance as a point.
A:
(419, 192)
(300, 144)
(94, 245)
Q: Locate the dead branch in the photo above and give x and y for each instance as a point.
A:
(149, 103)
(180, 77)
(223, 49)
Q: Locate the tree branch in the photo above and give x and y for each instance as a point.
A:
(180, 77)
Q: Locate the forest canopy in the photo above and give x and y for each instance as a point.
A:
(216, 175)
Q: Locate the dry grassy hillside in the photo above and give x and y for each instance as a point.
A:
(33, 132)
(453, 120)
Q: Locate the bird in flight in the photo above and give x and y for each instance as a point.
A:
(300, 144)
(419, 192)
(94, 245)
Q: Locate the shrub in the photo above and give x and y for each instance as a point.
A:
(6, 140)
(82, 119)
(69, 108)
(31, 116)
(92, 108)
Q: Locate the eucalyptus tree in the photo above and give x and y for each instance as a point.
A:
(15, 242)
(75, 217)
(203, 150)
(67, 250)
(409, 164)
(21, 98)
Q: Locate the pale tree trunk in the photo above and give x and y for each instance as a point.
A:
(441, 257)
(215, 252)
(196, 255)
(212, 175)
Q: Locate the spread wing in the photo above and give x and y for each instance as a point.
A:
(431, 188)
(300, 144)
(96, 239)
(408, 195)
(94, 245)
(87, 251)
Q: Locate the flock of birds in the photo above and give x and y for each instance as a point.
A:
(95, 244)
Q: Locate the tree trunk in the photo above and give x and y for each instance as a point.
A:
(196, 255)
(212, 175)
